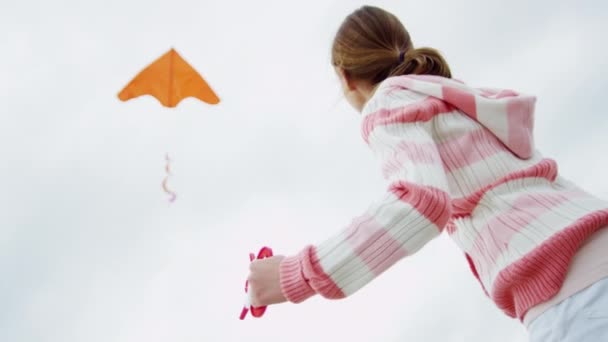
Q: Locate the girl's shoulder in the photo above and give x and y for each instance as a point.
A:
(390, 96)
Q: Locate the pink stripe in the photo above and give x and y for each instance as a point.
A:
(423, 111)
(294, 283)
(469, 148)
(456, 153)
(539, 275)
(463, 99)
(546, 168)
(497, 233)
(425, 153)
(521, 124)
(432, 203)
(374, 245)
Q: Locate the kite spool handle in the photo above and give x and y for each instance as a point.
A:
(264, 252)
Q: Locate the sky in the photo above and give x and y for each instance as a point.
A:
(90, 248)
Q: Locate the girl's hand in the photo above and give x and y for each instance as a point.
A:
(264, 281)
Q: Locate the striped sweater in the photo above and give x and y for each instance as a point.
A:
(462, 160)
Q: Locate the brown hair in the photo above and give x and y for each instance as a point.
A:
(372, 44)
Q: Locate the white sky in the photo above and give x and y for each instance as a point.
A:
(90, 249)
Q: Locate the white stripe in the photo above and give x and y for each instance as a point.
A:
(384, 139)
(387, 136)
(423, 174)
(430, 88)
(493, 113)
(470, 178)
(392, 100)
(402, 98)
(494, 203)
(452, 125)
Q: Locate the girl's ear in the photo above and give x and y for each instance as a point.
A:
(346, 79)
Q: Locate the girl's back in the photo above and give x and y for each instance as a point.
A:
(506, 198)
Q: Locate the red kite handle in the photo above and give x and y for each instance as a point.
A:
(264, 252)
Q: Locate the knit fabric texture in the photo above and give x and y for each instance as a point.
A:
(460, 160)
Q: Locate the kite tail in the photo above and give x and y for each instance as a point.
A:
(172, 194)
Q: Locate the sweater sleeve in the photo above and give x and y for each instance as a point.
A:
(414, 210)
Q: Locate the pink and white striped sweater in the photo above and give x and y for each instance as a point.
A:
(463, 160)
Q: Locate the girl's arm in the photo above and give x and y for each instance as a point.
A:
(414, 210)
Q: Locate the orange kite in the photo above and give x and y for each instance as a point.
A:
(169, 79)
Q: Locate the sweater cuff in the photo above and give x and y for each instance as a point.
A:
(293, 284)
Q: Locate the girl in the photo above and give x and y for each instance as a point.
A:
(460, 160)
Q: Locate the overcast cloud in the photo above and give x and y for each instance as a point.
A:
(90, 249)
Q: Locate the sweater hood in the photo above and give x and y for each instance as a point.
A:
(509, 115)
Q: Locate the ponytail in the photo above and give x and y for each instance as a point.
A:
(421, 61)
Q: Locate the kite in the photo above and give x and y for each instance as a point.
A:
(169, 79)
(265, 252)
